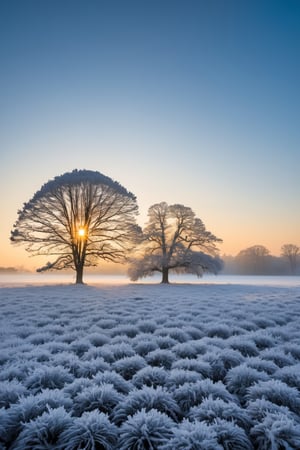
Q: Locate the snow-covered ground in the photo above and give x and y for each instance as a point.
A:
(142, 366)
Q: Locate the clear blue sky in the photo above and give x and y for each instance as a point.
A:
(193, 102)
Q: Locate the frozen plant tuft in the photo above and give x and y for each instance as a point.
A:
(290, 375)
(276, 432)
(230, 436)
(43, 432)
(211, 409)
(193, 436)
(260, 408)
(92, 430)
(146, 398)
(201, 367)
(221, 361)
(10, 392)
(103, 398)
(161, 358)
(98, 339)
(48, 378)
(129, 366)
(145, 430)
(244, 345)
(118, 382)
(240, 378)
(150, 376)
(192, 394)
(178, 377)
(277, 392)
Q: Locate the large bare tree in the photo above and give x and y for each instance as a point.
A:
(174, 239)
(77, 218)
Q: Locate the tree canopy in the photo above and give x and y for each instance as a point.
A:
(78, 218)
(174, 239)
(292, 253)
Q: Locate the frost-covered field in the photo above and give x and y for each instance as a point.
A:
(150, 367)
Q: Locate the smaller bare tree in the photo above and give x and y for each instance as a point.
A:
(291, 252)
(174, 239)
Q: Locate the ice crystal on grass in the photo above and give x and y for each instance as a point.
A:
(261, 365)
(5, 431)
(278, 356)
(29, 408)
(39, 338)
(145, 346)
(150, 376)
(52, 398)
(220, 361)
(98, 339)
(91, 431)
(116, 380)
(77, 386)
(10, 392)
(147, 326)
(146, 398)
(174, 333)
(262, 340)
(187, 352)
(178, 377)
(260, 408)
(192, 394)
(43, 432)
(48, 377)
(127, 330)
(121, 350)
(240, 378)
(230, 436)
(293, 349)
(92, 367)
(129, 366)
(244, 345)
(276, 432)
(276, 392)
(80, 346)
(194, 332)
(103, 397)
(145, 430)
(193, 364)
(211, 409)
(220, 330)
(165, 342)
(161, 358)
(262, 322)
(193, 436)
(289, 375)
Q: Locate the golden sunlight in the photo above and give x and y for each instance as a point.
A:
(81, 232)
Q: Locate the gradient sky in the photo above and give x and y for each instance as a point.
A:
(192, 102)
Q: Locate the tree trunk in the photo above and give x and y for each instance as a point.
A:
(165, 275)
(79, 274)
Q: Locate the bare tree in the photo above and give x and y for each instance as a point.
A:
(253, 259)
(291, 252)
(175, 240)
(78, 218)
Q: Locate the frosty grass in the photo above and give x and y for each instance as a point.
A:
(150, 367)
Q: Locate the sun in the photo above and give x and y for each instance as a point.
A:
(81, 232)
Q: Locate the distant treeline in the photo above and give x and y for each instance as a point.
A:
(257, 260)
(8, 270)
